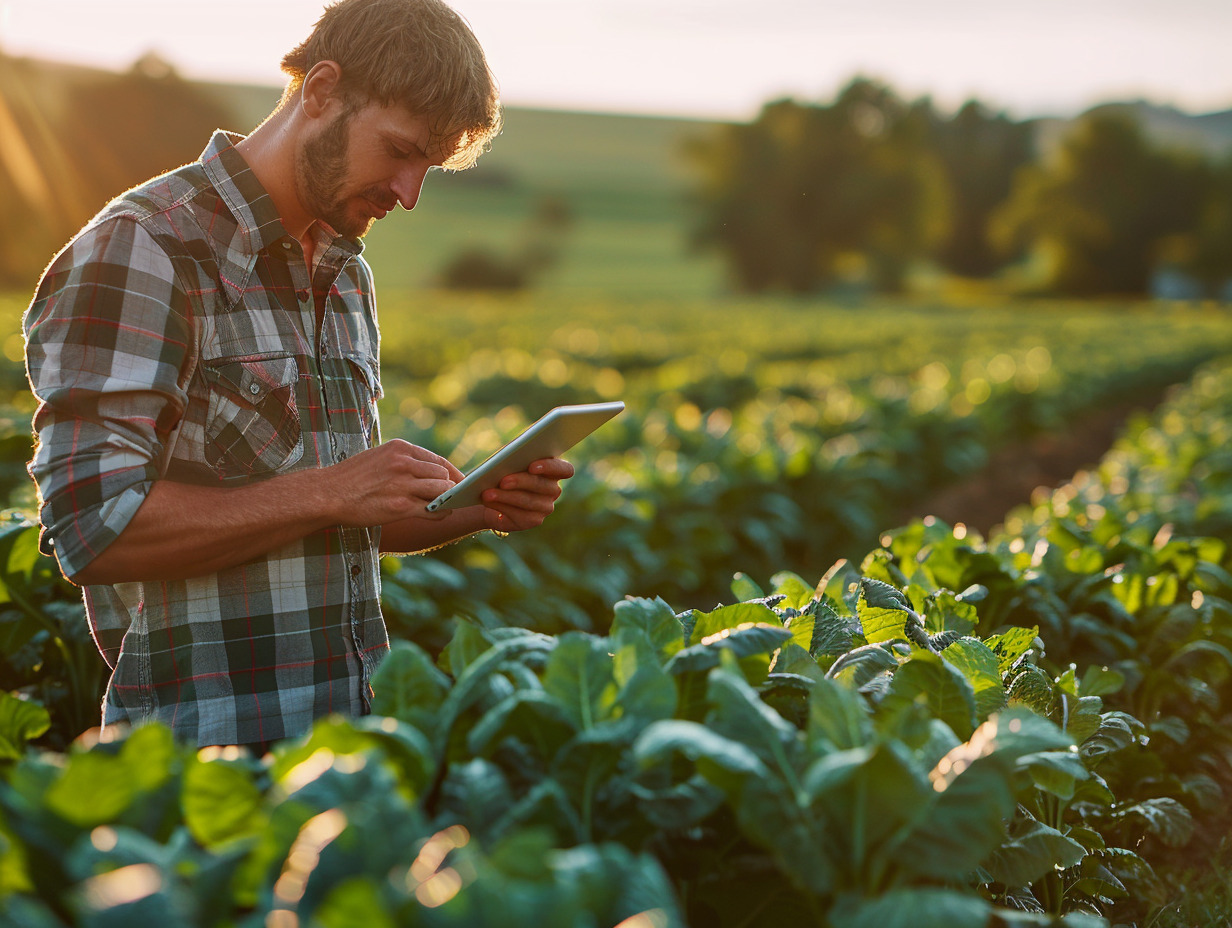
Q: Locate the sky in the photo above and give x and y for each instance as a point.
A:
(713, 58)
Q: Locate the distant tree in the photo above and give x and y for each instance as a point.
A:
(126, 128)
(1205, 252)
(786, 196)
(980, 151)
(1102, 210)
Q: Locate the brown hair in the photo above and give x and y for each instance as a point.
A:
(417, 53)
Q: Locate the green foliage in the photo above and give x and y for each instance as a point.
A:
(789, 195)
(47, 654)
(585, 779)
(1101, 212)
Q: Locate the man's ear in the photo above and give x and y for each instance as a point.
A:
(320, 89)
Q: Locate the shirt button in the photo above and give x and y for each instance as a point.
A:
(254, 388)
(354, 570)
(341, 455)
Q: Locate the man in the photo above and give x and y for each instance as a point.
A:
(205, 357)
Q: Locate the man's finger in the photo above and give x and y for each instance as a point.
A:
(553, 468)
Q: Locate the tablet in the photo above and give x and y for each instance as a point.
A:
(549, 437)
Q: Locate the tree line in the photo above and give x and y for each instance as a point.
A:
(808, 195)
(804, 197)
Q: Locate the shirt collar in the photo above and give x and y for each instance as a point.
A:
(259, 223)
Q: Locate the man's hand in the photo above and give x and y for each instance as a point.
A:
(524, 500)
(393, 481)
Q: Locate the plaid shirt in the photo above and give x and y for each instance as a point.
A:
(176, 337)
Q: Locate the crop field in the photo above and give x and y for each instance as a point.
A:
(740, 678)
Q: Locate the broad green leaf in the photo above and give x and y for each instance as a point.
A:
(1081, 716)
(467, 643)
(978, 663)
(680, 805)
(221, 801)
(1033, 688)
(20, 721)
(151, 755)
(794, 659)
(832, 770)
(883, 612)
(472, 685)
(408, 686)
(357, 902)
(869, 809)
(855, 668)
(1116, 731)
(547, 805)
(24, 553)
(475, 794)
(612, 885)
(1162, 589)
(821, 630)
(740, 714)
(1055, 772)
(586, 765)
(838, 718)
(962, 820)
(1011, 645)
(799, 594)
(1100, 681)
(711, 624)
(1015, 733)
(403, 748)
(795, 838)
(652, 618)
(743, 642)
(929, 680)
(912, 908)
(943, 611)
(647, 690)
(94, 788)
(1031, 852)
(744, 588)
(533, 717)
(1166, 818)
(580, 677)
(722, 761)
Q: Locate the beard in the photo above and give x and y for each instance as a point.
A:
(321, 178)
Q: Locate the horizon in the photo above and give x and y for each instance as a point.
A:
(639, 57)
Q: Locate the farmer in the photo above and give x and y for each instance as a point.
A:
(205, 356)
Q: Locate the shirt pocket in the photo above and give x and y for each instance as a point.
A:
(366, 382)
(252, 425)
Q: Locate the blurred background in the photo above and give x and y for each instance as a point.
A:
(847, 264)
(691, 148)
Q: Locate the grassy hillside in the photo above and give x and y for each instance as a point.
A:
(622, 178)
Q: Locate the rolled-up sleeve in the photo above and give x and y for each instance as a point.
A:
(107, 337)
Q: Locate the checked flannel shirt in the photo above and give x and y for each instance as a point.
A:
(176, 337)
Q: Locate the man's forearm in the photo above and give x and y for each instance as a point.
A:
(183, 530)
(412, 536)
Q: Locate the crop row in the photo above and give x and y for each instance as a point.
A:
(754, 441)
(952, 732)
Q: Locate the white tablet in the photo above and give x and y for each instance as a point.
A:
(549, 437)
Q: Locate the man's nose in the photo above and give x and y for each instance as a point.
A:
(408, 184)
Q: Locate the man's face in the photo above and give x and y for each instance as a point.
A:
(361, 165)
